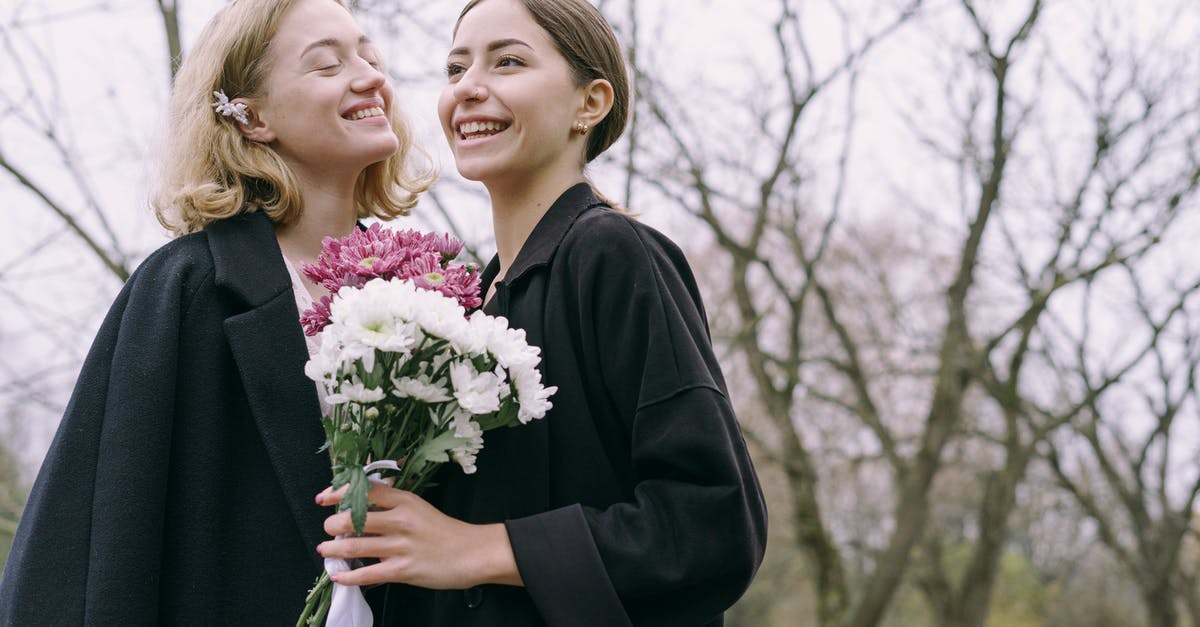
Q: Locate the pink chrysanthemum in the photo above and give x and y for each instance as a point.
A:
(462, 284)
(316, 317)
(446, 245)
(376, 252)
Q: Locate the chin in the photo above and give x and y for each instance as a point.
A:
(479, 170)
(384, 152)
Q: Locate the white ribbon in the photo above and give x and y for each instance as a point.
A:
(348, 607)
(389, 464)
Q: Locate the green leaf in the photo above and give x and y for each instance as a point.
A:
(356, 499)
(438, 448)
(341, 476)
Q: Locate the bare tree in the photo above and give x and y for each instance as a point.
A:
(1082, 246)
(818, 312)
(35, 107)
(1140, 483)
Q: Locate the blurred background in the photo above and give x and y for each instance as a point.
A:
(949, 250)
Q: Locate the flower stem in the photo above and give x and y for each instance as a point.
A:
(316, 604)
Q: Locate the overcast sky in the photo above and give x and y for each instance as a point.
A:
(98, 74)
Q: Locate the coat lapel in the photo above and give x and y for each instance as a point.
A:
(268, 346)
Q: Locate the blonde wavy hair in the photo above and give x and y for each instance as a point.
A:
(212, 172)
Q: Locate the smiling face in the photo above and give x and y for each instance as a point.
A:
(326, 101)
(510, 102)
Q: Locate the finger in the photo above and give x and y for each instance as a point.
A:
(390, 521)
(378, 494)
(387, 497)
(339, 524)
(359, 546)
(366, 575)
(329, 496)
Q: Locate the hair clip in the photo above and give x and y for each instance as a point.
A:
(228, 109)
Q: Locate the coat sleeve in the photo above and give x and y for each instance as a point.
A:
(687, 543)
(87, 549)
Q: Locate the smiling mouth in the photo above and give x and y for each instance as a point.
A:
(478, 130)
(371, 112)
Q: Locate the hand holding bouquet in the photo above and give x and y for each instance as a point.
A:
(410, 380)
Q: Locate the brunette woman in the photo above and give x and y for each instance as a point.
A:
(634, 501)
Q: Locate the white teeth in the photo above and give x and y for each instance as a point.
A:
(366, 113)
(471, 128)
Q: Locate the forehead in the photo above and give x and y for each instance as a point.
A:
(492, 20)
(307, 21)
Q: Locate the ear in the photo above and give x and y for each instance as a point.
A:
(255, 128)
(597, 102)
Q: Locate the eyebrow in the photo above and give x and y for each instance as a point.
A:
(493, 46)
(330, 42)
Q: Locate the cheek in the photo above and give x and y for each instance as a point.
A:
(445, 108)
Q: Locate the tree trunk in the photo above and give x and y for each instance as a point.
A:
(169, 9)
(1160, 605)
(830, 585)
(999, 499)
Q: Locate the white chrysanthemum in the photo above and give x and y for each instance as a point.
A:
(534, 400)
(323, 366)
(466, 453)
(353, 391)
(441, 316)
(507, 345)
(374, 316)
(420, 388)
(476, 392)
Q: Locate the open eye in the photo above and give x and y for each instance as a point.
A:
(509, 61)
(454, 69)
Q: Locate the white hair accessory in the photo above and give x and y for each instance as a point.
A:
(228, 109)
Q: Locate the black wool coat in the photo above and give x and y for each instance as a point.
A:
(634, 501)
(179, 487)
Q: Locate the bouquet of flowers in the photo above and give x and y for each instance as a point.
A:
(410, 380)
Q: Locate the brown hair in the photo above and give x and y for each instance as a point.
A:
(587, 42)
(212, 172)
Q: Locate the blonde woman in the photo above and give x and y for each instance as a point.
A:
(178, 489)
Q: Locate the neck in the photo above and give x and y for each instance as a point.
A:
(518, 203)
(329, 211)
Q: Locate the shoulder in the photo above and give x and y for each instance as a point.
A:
(601, 235)
(179, 266)
(187, 254)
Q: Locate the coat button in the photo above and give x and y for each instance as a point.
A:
(473, 597)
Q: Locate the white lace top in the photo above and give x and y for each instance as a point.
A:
(304, 300)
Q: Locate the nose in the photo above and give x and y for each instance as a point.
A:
(470, 87)
(369, 78)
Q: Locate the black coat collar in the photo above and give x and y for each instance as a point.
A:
(247, 258)
(544, 240)
(269, 348)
